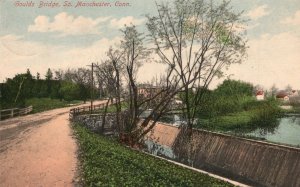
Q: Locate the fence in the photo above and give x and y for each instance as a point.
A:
(84, 110)
(9, 113)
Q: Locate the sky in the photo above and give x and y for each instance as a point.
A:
(69, 37)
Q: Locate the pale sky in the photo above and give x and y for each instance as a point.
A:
(68, 37)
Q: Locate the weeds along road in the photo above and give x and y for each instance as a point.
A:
(38, 150)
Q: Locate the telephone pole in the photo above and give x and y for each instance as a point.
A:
(92, 86)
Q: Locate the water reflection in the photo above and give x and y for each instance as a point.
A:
(286, 131)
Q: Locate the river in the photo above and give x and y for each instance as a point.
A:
(287, 131)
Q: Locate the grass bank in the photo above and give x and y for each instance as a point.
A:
(105, 162)
(43, 104)
(253, 114)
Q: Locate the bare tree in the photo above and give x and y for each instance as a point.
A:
(122, 66)
(197, 39)
(108, 73)
(133, 55)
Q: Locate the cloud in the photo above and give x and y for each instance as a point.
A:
(293, 20)
(18, 46)
(67, 24)
(258, 12)
(272, 59)
(119, 23)
(18, 54)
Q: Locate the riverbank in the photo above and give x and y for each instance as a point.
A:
(105, 161)
(252, 115)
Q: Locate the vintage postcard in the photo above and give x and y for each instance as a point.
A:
(210, 85)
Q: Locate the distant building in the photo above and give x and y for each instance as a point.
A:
(283, 96)
(260, 95)
(147, 91)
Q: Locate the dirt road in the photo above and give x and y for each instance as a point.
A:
(38, 150)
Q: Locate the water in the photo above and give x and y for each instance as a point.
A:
(286, 132)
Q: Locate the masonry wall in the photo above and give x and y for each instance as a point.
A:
(94, 122)
(263, 164)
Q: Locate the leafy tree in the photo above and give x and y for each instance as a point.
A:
(49, 75)
(234, 88)
(69, 91)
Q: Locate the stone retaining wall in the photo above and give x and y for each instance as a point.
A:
(94, 122)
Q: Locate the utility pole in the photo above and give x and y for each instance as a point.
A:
(92, 86)
(92, 93)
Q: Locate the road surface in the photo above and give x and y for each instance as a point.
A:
(38, 150)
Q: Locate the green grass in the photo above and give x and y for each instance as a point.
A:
(255, 114)
(43, 104)
(104, 162)
(112, 108)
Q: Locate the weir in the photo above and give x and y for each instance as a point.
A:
(255, 162)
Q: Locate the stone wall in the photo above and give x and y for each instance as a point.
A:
(94, 122)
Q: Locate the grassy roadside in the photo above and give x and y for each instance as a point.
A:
(105, 162)
(43, 104)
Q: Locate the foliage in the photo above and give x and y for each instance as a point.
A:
(15, 91)
(234, 88)
(231, 107)
(107, 163)
(70, 91)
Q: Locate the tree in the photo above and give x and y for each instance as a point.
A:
(273, 90)
(69, 91)
(49, 74)
(49, 77)
(234, 88)
(109, 75)
(59, 74)
(38, 76)
(288, 88)
(197, 40)
(134, 54)
(123, 64)
(80, 76)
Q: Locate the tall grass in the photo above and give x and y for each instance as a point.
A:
(240, 114)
